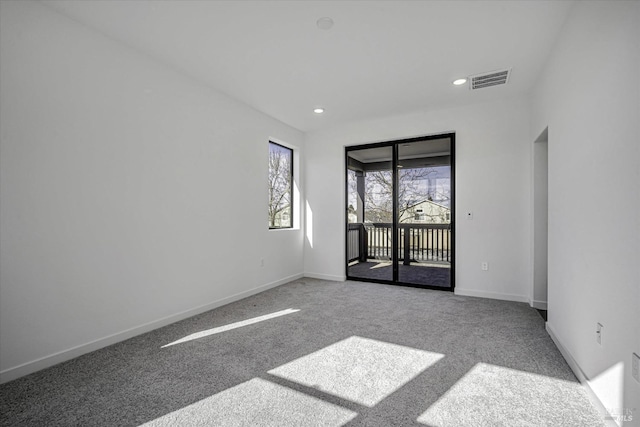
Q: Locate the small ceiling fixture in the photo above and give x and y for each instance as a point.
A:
(325, 23)
(318, 110)
(459, 82)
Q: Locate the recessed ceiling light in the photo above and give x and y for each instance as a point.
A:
(324, 23)
(459, 82)
(318, 110)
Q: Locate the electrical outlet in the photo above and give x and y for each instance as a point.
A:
(484, 266)
(635, 366)
(599, 333)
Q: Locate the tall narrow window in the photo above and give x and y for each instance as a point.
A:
(280, 186)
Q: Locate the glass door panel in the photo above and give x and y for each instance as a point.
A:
(370, 214)
(424, 212)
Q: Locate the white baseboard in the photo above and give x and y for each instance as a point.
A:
(329, 277)
(492, 295)
(540, 305)
(62, 356)
(584, 380)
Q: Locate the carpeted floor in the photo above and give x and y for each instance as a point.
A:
(314, 352)
(412, 274)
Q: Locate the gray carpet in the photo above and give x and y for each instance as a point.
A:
(313, 353)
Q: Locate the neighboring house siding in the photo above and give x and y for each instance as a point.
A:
(427, 212)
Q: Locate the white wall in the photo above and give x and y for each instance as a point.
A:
(492, 180)
(589, 97)
(128, 193)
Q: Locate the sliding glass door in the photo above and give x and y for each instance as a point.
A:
(400, 212)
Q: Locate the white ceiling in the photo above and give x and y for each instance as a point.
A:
(381, 57)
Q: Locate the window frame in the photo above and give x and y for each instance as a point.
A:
(291, 182)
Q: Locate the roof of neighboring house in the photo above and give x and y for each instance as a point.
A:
(430, 202)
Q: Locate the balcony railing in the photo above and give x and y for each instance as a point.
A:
(417, 242)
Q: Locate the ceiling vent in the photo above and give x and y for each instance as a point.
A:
(493, 78)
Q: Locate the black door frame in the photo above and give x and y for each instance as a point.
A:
(394, 144)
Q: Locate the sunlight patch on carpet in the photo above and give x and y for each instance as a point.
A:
(493, 395)
(256, 402)
(231, 326)
(361, 370)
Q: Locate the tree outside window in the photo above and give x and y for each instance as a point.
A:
(280, 188)
(415, 185)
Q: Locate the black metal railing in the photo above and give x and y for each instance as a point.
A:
(424, 242)
(357, 242)
(417, 242)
